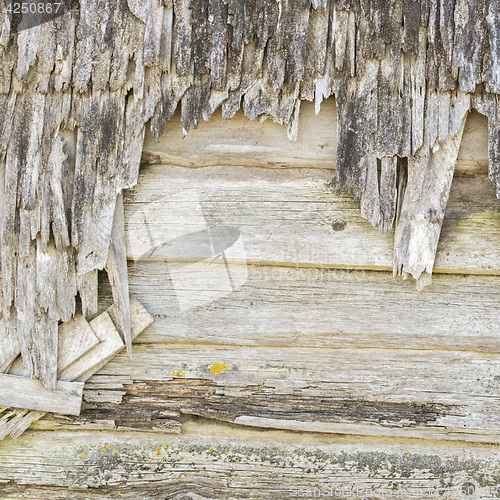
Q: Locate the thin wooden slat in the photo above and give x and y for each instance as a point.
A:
(214, 461)
(293, 217)
(23, 392)
(116, 267)
(243, 142)
(9, 345)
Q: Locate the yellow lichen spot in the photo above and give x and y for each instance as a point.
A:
(103, 448)
(108, 446)
(114, 451)
(209, 450)
(158, 449)
(178, 374)
(83, 455)
(225, 449)
(218, 368)
(407, 454)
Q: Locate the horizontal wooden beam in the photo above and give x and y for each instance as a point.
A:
(216, 461)
(242, 142)
(374, 392)
(307, 307)
(294, 218)
(23, 392)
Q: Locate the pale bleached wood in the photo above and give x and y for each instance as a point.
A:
(116, 267)
(110, 341)
(24, 392)
(386, 392)
(14, 422)
(76, 338)
(309, 307)
(215, 461)
(292, 217)
(9, 345)
(240, 141)
(423, 207)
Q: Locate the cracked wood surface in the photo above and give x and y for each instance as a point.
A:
(77, 92)
(372, 392)
(226, 462)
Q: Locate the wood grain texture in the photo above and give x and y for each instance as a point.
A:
(213, 461)
(77, 93)
(23, 392)
(14, 422)
(284, 306)
(373, 392)
(292, 217)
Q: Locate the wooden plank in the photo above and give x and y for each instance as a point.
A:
(116, 267)
(214, 461)
(423, 209)
(286, 306)
(292, 217)
(244, 142)
(9, 345)
(23, 392)
(374, 392)
(110, 341)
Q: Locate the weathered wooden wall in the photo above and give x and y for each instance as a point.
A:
(320, 373)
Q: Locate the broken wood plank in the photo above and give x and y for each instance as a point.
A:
(320, 308)
(9, 345)
(423, 209)
(76, 338)
(24, 392)
(116, 267)
(14, 422)
(321, 229)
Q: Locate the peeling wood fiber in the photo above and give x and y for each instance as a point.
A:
(76, 94)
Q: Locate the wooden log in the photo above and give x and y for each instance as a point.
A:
(292, 217)
(308, 307)
(215, 461)
(241, 141)
(23, 392)
(375, 392)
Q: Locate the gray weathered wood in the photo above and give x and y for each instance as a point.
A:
(241, 141)
(116, 267)
(14, 422)
(308, 307)
(76, 338)
(24, 392)
(423, 209)
(214, 461)
(374, 392)
(292, 217)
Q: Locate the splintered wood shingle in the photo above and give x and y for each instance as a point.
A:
(76, 93)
